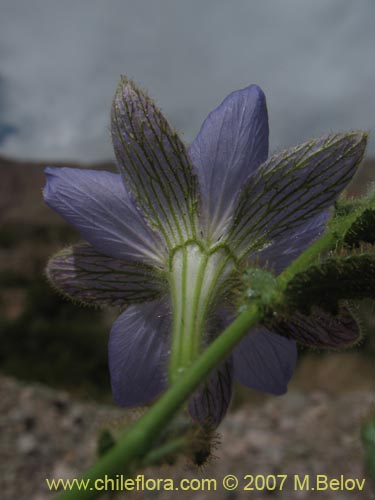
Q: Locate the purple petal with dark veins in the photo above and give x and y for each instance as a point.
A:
(138, 347)
(285, 249)
(292, 187)
(232, 143)
(97, 204)
(83, 274)
(209, 404)
(320, 328)
(154, 164)
(265, 361)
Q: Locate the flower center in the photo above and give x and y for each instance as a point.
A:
(198, 278)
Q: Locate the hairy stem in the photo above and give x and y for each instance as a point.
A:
(137, 440)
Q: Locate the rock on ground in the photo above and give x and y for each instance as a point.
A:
(47, 434)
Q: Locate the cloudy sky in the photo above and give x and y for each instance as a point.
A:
(60, 62)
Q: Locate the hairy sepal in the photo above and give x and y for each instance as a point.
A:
(354, 221)
(345, 275)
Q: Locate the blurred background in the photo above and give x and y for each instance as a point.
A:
(59, 66)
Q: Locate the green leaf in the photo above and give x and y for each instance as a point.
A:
(340, 277)
(362, 229)
(354, 220)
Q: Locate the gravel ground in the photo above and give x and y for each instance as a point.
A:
(47, 434)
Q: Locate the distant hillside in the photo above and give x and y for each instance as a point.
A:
(21, 184)
(364, 177)
(42, 336)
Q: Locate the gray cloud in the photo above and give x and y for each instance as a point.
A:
(61, 62)
(6, 129)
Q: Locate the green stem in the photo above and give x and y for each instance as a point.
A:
(136, 440)
(329, 241)
(139, 438)
(166, 451)
(324, 244)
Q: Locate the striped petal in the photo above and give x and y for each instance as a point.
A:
(265, 361)
(293, 187)
(320, 329)
(232, 143)
(138, 352)
(154, 164)
(97, 204)
(83, 274)
(210, 402)
(285, 249)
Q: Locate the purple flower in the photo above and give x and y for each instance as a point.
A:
(166, 237)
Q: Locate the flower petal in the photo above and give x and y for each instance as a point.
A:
(97, 204)
(232, 143)
(320, 329)
(210, 402)
(154, 163)
(138, 352)
(265, 361)
(83, 274)
(294, 186)
(285, 249)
